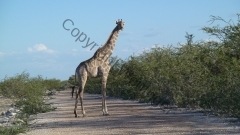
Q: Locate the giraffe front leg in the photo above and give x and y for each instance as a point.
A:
(104, 104)
(81, 100)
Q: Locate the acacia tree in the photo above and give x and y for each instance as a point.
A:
(225, 69)
(229, 35)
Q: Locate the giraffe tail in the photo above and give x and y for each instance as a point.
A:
(75, 75)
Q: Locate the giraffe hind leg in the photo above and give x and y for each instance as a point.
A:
(81, 100)
(76, 102)
(82, 76)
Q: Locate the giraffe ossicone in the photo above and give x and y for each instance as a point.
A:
(97, 66)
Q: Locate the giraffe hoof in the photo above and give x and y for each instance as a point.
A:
(106, 114)
(75, 114)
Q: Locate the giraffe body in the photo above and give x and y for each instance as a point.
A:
(97, 66)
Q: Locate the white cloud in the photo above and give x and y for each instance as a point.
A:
(152, 32)
(125, 50)
(74, 50)
(51, 61)
(155, 46)
(30, 49)
(1, 53)
(211, 40)
(134, 40)
(124, 33)
(40, 48)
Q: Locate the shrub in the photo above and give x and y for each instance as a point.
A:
(28, 94)
(12, 130)
(203, 74)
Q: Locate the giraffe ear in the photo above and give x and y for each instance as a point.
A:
(116, 22)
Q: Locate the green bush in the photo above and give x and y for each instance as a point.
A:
(12, 130)
(25, 91)
(52, 84)
(203, 74)
(28, 94)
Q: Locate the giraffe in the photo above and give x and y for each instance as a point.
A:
(97, 66)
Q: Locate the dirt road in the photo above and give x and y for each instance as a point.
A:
(126, 117)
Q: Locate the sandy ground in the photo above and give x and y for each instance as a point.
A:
(126, 117)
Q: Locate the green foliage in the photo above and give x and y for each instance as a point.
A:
(52, 84)
(203, 74)
(28, 93)
(71, 81)
(93, 86)
(12, 130)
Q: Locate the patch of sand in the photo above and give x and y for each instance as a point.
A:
(126, 117)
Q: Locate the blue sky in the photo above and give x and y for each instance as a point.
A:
(32, 37)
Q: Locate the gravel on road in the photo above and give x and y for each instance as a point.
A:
(126, 117)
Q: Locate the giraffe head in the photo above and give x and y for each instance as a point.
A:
(120, 24)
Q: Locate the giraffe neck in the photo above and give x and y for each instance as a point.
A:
(107, 49)
(110, 43)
